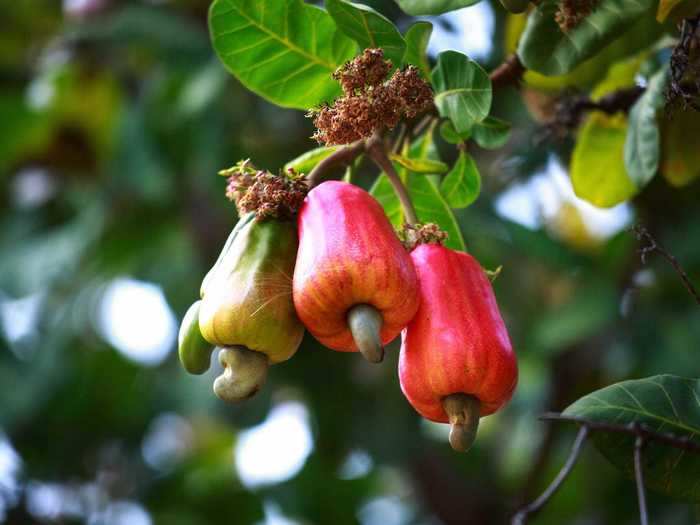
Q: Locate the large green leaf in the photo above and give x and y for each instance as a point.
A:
(368, 28)
(642, 148)
(417, 38)
(430, 205)
(662, 403)
(283, 50)
(433, 7)
(461, 186)
(462, 90)
(545, 48)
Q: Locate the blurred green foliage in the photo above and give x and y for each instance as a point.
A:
(112, 128)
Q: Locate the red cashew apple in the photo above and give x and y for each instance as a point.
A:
(456, 361)
(354, 287)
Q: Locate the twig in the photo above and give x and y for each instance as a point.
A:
(636, 429)
(509, 72)
(643, 435)
(341, 157)
(570, 110)
(533, 508)
(375, 149)
(639, 478)
(643, 234)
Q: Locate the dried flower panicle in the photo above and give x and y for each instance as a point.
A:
(266, 194)
(370, 102)
(572, 12)
(411, 235)
(367, 69)
(414, 92)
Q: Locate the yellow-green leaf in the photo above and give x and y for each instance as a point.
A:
(598, 171)
(426, 166)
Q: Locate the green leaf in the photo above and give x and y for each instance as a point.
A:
(462, 184)
(426, 166)
(492, 133)
(448, 132)
(588, 73)
(642, 148)
(417, 38)
(545, 48)
(462, 90)
(283, 50)
(307, 161)
(430, 205)
(662, 403)
(368, 28)
(433, 7)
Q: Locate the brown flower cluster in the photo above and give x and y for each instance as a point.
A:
(264, 193)
(412, 235)
(370, 102)
(572, 12)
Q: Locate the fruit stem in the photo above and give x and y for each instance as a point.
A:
(463, 412)
(377, 151)
(245, 372)
(365, 323)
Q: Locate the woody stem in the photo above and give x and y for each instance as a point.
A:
(377, 151)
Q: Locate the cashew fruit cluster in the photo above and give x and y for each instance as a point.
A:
(334, 265)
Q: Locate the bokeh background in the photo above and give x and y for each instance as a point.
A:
(114, 118)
